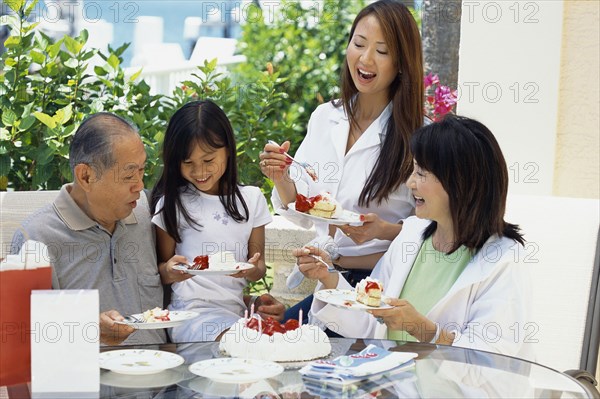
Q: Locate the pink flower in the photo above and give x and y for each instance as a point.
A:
(443, 99)
(431, 80)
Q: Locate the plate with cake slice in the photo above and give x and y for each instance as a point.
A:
(220, 263)
(348, 299)
(324, 208)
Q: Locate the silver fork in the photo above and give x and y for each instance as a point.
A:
(330, 268)
(133, 319)
(309, 169)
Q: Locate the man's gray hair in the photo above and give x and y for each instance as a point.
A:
(93, 141)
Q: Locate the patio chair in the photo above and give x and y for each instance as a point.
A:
(563, 252)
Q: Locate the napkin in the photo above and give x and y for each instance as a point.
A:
(295, 278)
(368, 363)
(33, 254)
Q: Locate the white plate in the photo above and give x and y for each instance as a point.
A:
(227, 270)
(348, 217)
(157, 380)
(139, 361)
(346, 299)
(177, 318)
(233, 370)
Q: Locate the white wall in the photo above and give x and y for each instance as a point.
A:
(509, 73)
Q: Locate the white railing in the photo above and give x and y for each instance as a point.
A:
(164, 79)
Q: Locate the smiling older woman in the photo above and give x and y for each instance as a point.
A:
(455, 274)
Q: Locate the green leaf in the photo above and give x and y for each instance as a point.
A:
(113, 61)
(63, 115)
(72, 63)
(12, 42)
(27, 122)
(53, 49)
(136, 75)
(15, 5)
(37, 57)
(100, 71)
(72, 45)
(65, 171)
(31, 7)
(27, 110)
(4, 165)
(84, 34)
(44, 155)
(8, 117)
(45, 119)
(11, 62)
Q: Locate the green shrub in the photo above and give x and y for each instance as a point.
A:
(306, 47)
(47, 88)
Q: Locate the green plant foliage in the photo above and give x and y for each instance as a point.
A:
(305, 45)
(47, 89)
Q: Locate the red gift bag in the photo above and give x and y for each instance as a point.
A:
(15, 309)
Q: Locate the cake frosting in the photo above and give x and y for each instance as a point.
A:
(221, 260)
(368, 292)
(156, 315)
(277, 342)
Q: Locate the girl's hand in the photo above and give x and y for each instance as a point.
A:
(312, 268)
(373, 227)
(248, 273)
(273, 163)
(404, 317)
(170, 275)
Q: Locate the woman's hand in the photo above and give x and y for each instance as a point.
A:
(373, 227)
(268, 306)
(313, 268)
(273, 163)
(404, 317)
(169, 275)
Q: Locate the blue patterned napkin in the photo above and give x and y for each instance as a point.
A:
(369, 362)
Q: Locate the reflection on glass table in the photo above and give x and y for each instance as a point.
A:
(438, 371)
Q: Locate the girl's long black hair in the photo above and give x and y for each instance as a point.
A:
(196, 123)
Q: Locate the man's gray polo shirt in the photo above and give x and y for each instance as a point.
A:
(84, 255)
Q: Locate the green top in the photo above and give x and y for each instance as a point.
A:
(432, 275)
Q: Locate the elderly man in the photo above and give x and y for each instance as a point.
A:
(98, 230)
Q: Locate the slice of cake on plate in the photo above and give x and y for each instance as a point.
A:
(322, 205)
(368, 292)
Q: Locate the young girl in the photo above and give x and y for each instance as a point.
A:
(200, 209)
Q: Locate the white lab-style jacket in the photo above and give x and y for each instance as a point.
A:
(488, 307)
(344, 175)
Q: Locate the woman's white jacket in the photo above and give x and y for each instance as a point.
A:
(488, 307)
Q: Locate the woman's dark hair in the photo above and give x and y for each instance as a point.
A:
(196, 123)
(406, 92)
(465, 157)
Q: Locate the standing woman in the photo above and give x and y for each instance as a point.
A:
(359, 144)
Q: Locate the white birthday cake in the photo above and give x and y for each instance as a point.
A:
(276, 342)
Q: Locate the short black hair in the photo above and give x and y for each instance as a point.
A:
(92, 143)
(465, 157)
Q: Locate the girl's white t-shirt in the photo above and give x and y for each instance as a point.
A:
(217, 299)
